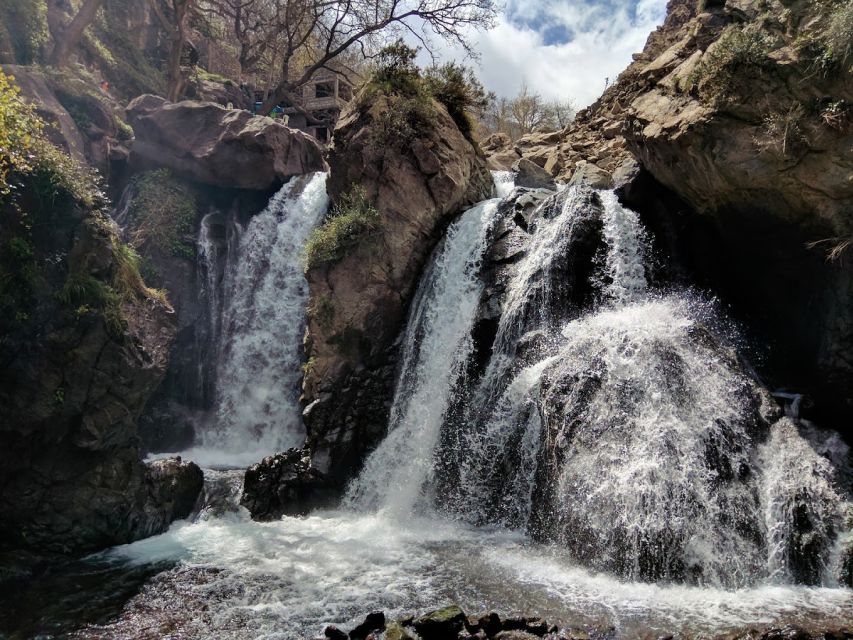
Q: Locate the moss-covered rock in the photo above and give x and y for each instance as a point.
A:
(83, 342)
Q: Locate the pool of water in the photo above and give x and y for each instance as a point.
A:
(229, 577)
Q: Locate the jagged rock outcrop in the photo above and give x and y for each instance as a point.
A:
(747, 118)
(284, 484)
(358, 303)
(732, 134)
(227, 148)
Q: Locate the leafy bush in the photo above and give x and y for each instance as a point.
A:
(163, 213)
(837, 37)
(395, 71)
(411, 94)
(458, 89)
(352, 220)
(735, 56)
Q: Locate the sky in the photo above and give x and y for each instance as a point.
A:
(562, 49)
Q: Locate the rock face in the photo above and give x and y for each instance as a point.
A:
(284, 484)
(73, 382)
(416, 190)
(738, 115)
(64, 134)
(210, 144)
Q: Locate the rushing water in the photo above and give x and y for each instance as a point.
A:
(260, 329)
(615, 465)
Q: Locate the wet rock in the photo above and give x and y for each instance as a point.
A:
(284, 484)
(490, 623)
(175, 486)
(530, 175)
(374, 622)
(71, 389)
(333, 633)
(515, 634)
(591, 175)
(443, 624)
(207, 143)
(398, 631)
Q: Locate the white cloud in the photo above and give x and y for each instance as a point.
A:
(601, 36)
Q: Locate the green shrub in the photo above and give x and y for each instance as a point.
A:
(735, 57)
(44, 198)
(459, 90)
(838, 35)
(351, 221)
(395, 71)
(163, 213)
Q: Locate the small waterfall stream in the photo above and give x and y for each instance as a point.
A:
(607, 459)
(263, 300)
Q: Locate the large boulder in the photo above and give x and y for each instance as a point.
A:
(358, 302)
(284, 484)
(213, 145)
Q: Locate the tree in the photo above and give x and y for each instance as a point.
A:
(458, 88)
(321, 31)
(527, 112)
(174, 20)
(562, 112)
(251, 23)
(67, 36)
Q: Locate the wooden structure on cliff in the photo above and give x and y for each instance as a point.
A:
(324, 96)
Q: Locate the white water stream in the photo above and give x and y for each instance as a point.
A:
(263, 305)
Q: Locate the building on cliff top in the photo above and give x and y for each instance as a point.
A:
(324, 96)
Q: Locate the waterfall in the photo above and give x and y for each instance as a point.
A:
(263, 300)
(436, 347)
(619, 424)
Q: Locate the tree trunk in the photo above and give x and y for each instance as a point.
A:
(68, 37)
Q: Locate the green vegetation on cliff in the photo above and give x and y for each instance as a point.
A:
(23, 29)
(351, 221)
(412, 93)
(736, 57)
(163, 213)
(47, 202)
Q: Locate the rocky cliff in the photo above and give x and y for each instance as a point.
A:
(225, 148)
(408, 183)
(83, 342)
(731, 133)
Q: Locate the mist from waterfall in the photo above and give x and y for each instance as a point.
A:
(436, 347)
(609, 461)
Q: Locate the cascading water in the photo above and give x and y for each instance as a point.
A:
(612, 438)
(263, 301)
(437, 344)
